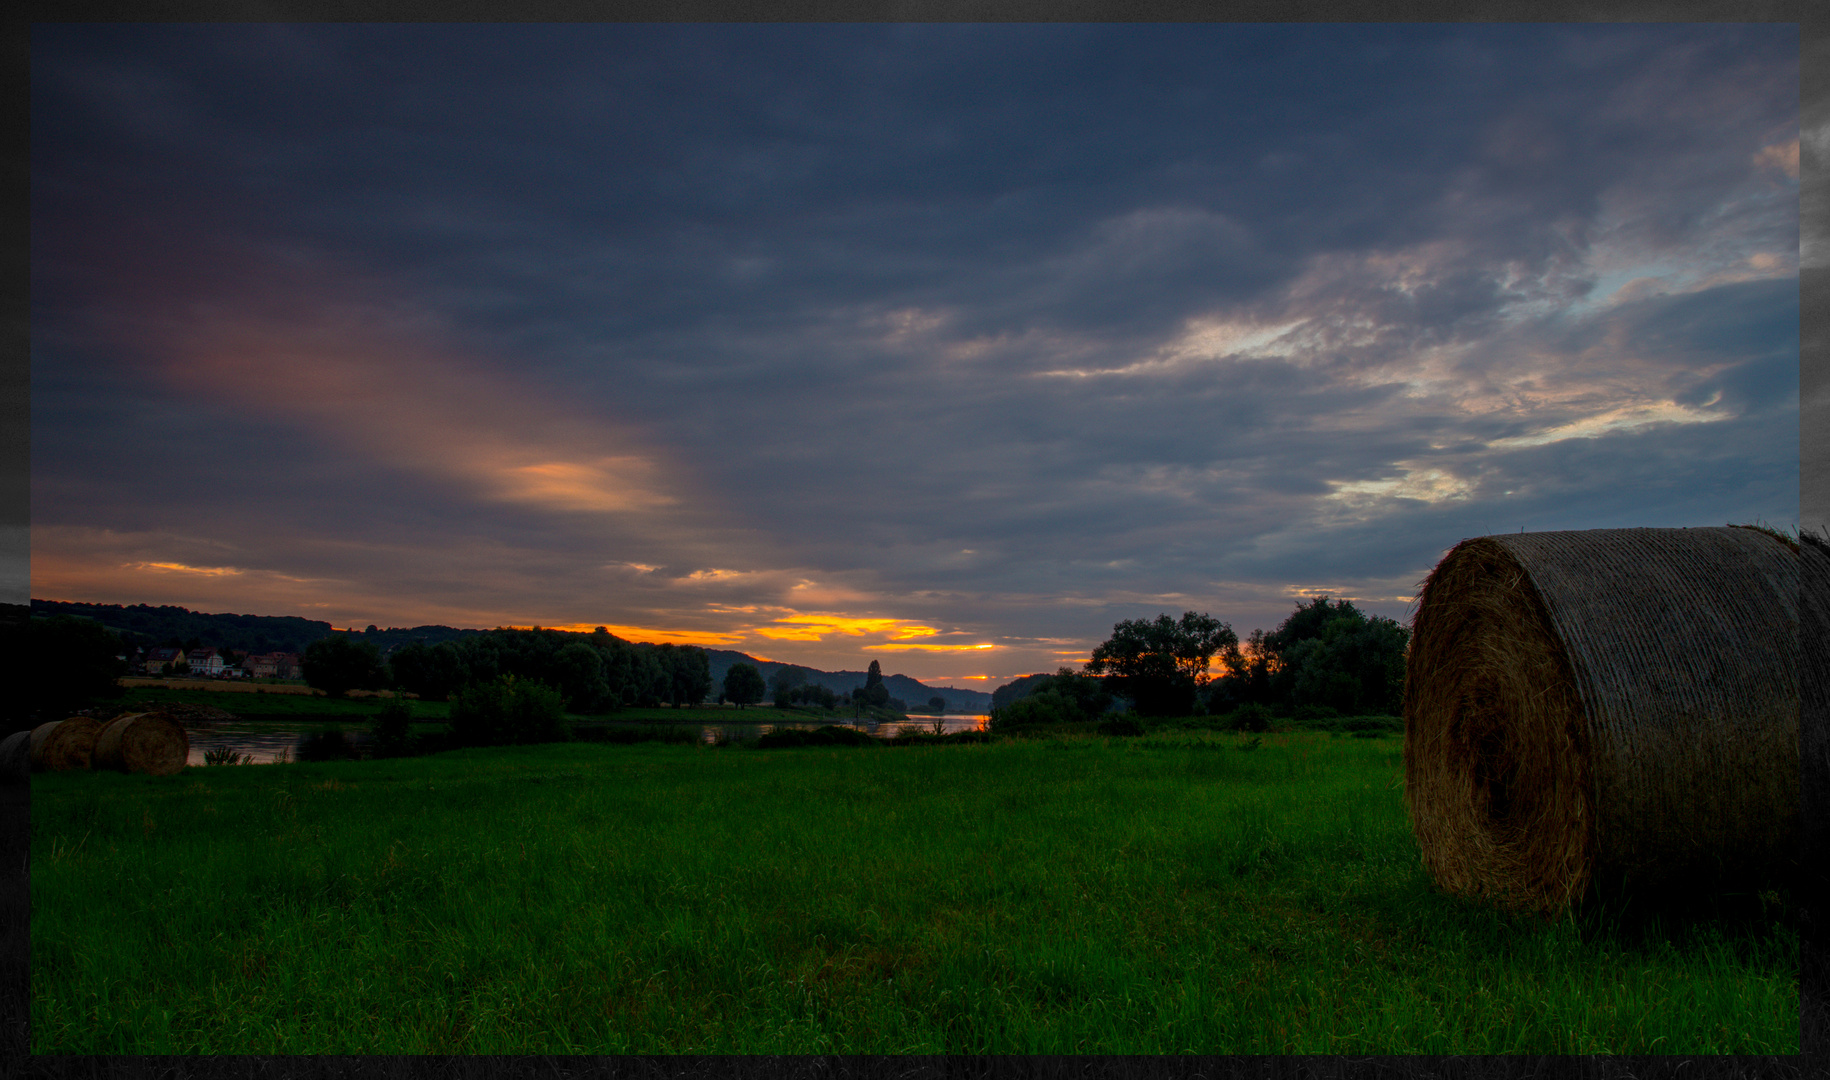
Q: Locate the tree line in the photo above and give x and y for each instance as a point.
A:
(793, 686)
(592, 673)
(75, 663)
(1327, 658)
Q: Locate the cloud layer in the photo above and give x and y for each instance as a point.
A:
(948, 346)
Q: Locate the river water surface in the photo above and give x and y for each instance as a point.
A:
(263, 744)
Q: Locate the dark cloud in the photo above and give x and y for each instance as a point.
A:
(1005, 330)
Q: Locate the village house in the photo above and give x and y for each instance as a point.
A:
(158, 659)
(205, 662)
(277, 665)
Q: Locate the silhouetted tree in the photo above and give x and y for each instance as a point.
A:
(785, 681)
(72, 663)
(431, 672)
(337, 665)
(688, 673)
(743, 685)
(875, 693)
(1326, 654)
(1161, 664)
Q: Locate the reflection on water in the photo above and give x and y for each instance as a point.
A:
(887, 729)
(258, 746)
(269, 743)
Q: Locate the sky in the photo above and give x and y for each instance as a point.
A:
(947, 346)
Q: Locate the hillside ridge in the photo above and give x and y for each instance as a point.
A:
(147, 625)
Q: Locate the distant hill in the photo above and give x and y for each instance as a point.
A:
(910, 691)
(146, 626)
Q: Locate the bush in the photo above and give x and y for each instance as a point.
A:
(1252, 717)
(391, 728)
(1065, 697)
(507, 710)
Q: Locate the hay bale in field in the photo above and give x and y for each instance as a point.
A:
(142, 742)
(1814, 706)
(64, 744)
(1607, 707)
(16, 758)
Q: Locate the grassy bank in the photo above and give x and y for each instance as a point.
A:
(362, 710)
(1183, 891)
(282, 706)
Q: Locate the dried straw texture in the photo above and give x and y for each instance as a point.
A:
(64, 744)
(1615, 706)
(1814, 714)
(16, 758)
(142, 742)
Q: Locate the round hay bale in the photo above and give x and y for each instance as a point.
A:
(142, 742)
(64, 744)
(16, 758)
(1814, 704)
(1611, 707)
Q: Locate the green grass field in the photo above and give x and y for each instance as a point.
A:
(1179, 892)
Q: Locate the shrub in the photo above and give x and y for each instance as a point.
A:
(1251, 717)
(391, 728)
(1066, 697)
(507, 710)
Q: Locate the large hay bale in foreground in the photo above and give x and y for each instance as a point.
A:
(1613, 707)
(1814, 715)
(64, 744)
(142, 742)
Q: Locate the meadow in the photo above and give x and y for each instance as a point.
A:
(1181, 892)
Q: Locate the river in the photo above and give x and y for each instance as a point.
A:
(266, 743)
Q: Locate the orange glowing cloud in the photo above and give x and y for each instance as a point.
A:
(104, 566)
(415, 407)
(181, 568)
(600, 485)
(1782, 157)
(814, 627)
(925, 647)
